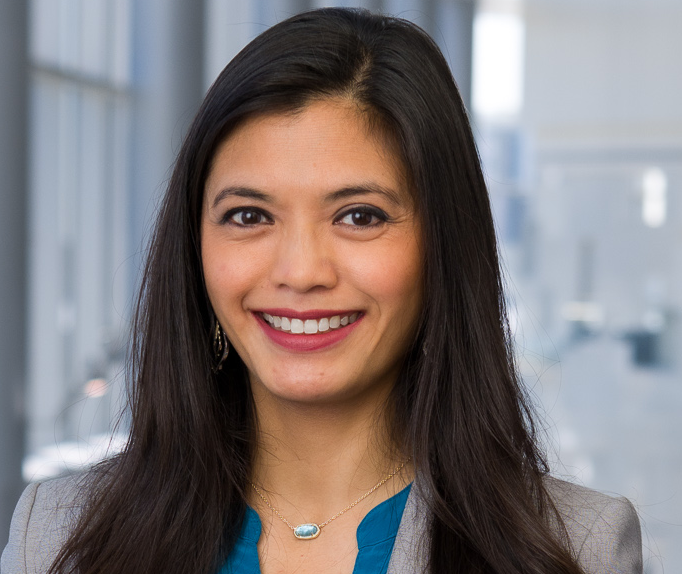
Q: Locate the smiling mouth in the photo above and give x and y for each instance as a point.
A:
(309, 326)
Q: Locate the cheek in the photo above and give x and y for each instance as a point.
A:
(391, 276)
(230, 272)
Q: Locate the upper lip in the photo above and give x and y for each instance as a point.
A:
(310, 314)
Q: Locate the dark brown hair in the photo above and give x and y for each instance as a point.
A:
(173, 501)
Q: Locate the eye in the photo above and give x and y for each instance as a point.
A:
(362, 217)
(245, 217)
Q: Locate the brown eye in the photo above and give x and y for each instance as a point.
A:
(246, 217)
(363, 218)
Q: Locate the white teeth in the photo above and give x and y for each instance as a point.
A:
(296, 326)
(310, 326)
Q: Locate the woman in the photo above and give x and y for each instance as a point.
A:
(324, 379)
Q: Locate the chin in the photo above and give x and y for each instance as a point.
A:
(302, 391)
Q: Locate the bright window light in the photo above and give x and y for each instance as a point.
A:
(497, 83)
(654, 200)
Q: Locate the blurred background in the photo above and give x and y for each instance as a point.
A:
(576, 108)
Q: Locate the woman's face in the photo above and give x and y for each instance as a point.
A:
(311, 254)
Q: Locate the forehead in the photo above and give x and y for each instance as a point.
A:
(324, 143)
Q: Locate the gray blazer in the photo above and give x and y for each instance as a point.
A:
(604, 531)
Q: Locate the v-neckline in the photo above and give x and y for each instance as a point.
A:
(375, 537)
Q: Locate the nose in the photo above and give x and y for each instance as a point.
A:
(304, 261)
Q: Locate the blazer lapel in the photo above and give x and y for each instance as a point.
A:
(408, 553)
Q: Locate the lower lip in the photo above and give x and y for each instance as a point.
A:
(302, 343)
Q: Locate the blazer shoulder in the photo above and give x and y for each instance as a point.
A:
(604, 531)
(41, 524)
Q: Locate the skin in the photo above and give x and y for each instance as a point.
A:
(296, 244)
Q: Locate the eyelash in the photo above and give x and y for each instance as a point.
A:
(379, 216)
(227, 218)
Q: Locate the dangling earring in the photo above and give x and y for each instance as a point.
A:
(221, 347)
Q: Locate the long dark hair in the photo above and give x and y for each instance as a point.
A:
(173, 501)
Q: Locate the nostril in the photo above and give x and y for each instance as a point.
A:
(304, 270)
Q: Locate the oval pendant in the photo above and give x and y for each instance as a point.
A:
(307, 531)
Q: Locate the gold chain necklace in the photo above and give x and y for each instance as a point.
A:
(310, 530)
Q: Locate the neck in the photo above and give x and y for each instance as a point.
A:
(316, 459)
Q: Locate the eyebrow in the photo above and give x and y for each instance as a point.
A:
(245, 192)
(364, 189)
(344, 193)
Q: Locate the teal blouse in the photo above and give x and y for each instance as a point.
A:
(376, 535)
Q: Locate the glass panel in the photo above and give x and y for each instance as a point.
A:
(120, 47)
(69, 34)
(585, 177)
(45, 364)
(44, 34)
(95, 35)
(79, 292)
